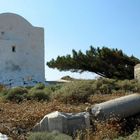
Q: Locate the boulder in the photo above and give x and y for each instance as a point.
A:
(63, 122)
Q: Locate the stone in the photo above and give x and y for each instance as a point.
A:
(137, 72)
(63, 122)
(117, 108)
(3, 137)
(21, 51)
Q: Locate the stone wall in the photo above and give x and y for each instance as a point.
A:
(137, 72)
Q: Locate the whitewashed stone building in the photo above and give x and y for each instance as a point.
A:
(21, 51)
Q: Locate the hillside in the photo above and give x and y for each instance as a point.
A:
(21, 108)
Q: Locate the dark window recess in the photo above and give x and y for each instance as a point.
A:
(2, 33)
(13, 48)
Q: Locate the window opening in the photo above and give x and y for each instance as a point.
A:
(13, 48)
(2, 33)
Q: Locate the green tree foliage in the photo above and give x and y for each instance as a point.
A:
(106, 62)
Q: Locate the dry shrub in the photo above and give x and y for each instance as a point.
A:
(100, 131)
(38, 95)
(48, 136)
(74, 92)
(16, 94)
(83, 91)
(134, 136)
(98, 98)
(39, 86)
(113, 129)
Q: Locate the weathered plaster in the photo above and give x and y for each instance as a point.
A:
(21, 51)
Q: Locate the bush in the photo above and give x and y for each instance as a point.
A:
(38, 95)
(40, 92)
(104, 86)
(134, 136)
(48, 136)
(73, 92)
(77, 91)
(109, 86)
(2, 87)
(52, 88)
(81, 91)
(39, 86)
(16, 94)
(127, 85)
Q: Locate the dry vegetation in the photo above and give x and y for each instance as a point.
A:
(18, 118)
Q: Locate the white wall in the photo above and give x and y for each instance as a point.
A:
(25, 66)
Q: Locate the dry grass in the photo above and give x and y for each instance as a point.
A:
(17, 119)
(98, 98)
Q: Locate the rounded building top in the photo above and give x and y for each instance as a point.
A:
(14, 20)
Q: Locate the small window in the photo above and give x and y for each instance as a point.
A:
(13, 48)
(2, 33)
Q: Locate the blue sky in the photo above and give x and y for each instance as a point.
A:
(77, 24)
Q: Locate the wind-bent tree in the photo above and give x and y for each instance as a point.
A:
(106, 62)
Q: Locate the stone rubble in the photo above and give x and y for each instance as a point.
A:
(64, 122)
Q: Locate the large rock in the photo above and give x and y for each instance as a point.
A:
(119, 108)
(64, 122)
